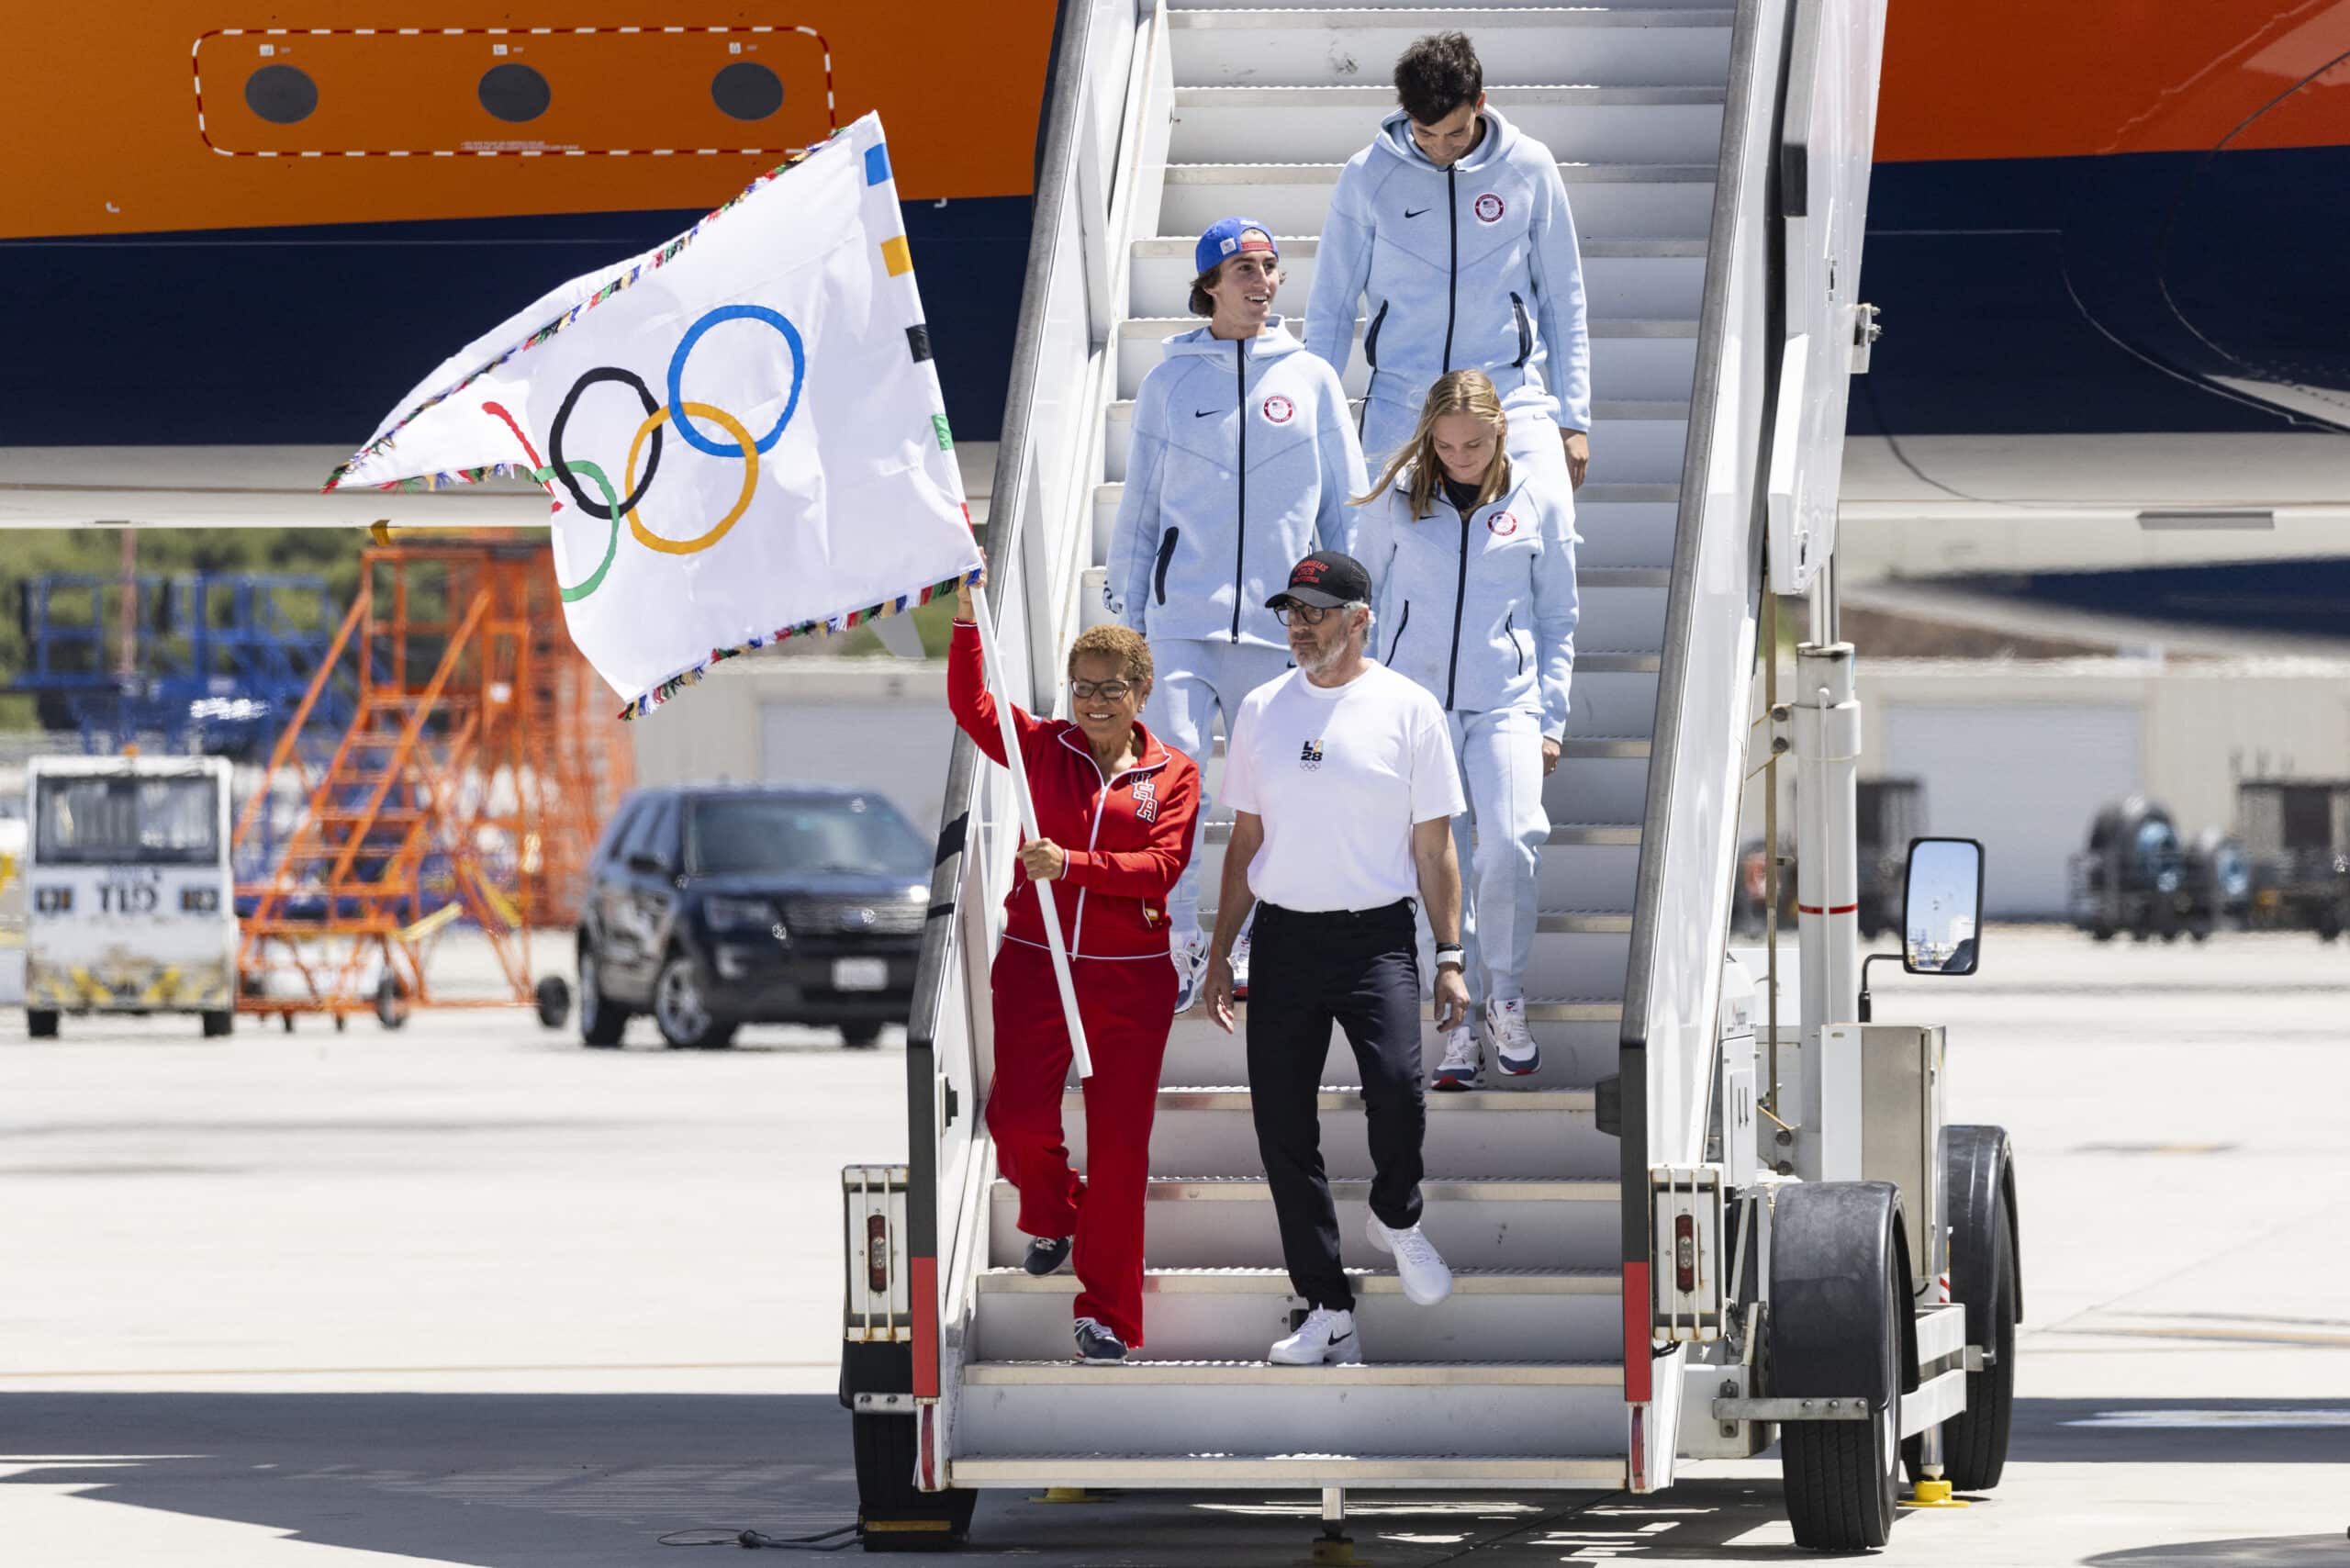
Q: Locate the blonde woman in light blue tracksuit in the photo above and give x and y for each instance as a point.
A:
(1472, 558)
(1451, 236)
(1243, 461)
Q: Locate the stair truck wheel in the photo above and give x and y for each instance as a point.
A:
(40, 1023)
(894, 1515)
(1978, 1184)
(1838, 1329)
(218, 1024)
(552, 998)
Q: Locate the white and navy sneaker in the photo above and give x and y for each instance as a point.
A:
(1326, 1337)
(1417, 1263)
(1464, 1061)
(1046, 1254)
(1240, 968)
(1095, 1343)
(1190, 955)
(1515, 1051)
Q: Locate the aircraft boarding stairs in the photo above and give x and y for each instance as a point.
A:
(1518, 1376)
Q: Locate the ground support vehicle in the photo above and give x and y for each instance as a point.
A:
(2296, 837)
(126, 872)
(1692, 1229)
(2136, 878)
(1891, 811)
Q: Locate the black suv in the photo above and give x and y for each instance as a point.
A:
(714, 906)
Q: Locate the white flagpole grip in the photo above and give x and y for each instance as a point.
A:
(985, 619)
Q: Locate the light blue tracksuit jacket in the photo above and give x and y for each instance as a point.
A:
(1470, 268)
(1480, 609)
(1243, 462)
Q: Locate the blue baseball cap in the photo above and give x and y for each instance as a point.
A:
(1230, 237)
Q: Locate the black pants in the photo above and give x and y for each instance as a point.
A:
(1361, 971)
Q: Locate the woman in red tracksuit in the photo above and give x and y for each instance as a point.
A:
(1101, 781)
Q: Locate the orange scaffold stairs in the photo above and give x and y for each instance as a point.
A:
(468, 787)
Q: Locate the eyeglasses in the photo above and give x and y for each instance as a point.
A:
(1290, 614)
(1086, 690)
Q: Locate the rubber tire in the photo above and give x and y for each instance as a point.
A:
(1974, 1442)
(861, 1036)
(1837, 1477)
(391, 1003)
(218, 1026)
(2101, 934)
(886, 1492)
(714, 1036)
(601, 1021)
(40, 1023)
(552, 998)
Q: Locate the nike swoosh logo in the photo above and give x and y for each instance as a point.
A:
(1342, 1338)
(1205, 413)
(1408, 213)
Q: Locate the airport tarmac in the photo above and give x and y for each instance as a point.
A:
(470, 1295)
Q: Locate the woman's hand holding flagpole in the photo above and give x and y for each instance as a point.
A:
(985, 620)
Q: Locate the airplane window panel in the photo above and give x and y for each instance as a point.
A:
(598, 92)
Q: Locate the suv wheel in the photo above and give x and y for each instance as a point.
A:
(862, 1035)
(600, 1020)
(682, 1012)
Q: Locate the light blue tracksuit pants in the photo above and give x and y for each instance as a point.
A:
(1500, 754)
(1194, 679)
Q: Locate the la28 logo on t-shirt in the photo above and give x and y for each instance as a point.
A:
(1309, 756)
(1278, 409)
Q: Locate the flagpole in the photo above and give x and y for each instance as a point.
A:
(985, 620)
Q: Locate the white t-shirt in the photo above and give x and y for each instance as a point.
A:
(1339, 774)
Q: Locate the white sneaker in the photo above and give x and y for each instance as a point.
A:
(1515, 1051)
(1421, 1268)
(1326, 1336)
(1190, 955)
(1464, 1061)
(1240, 968)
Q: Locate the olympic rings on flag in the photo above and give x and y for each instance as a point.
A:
(542, 472)
(693, 437)
(749, 449)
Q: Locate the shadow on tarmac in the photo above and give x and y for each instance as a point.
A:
(521, 1481)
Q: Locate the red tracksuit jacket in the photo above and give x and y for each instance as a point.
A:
(1127, 838)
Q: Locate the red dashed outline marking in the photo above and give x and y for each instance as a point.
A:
(832, 109)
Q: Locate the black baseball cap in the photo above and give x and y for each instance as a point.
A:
(1324, 579)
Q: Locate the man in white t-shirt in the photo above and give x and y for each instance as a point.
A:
(1343, 786)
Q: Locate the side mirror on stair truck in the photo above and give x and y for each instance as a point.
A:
(1942, 907)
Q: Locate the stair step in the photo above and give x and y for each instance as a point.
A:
(1146, 1373)
(1576, 1054)
(1339, 48)
(1607, 834)
(1254, 1472)
(1617, 201)
(1237, 1097)
(1578, 122)
(1011, 1281)
(1605, 746)
(1622, 279)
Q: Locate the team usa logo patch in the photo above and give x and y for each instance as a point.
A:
(1309, 756)
(1146, 801)
(1503, 524)
(1278, 409)
(1489, 209)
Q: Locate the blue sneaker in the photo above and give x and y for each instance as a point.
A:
(1464, 1061)
(1046, 1254)
(1514, 1048)
(1095, 1343)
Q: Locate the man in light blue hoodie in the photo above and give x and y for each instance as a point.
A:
(1451, 236)
(1243, 460)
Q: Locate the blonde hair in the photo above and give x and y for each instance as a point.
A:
(1461, 392)
(1114, 642)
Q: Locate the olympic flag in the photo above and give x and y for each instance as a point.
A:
(741, 430)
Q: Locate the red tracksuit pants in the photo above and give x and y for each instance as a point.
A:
(1127, 1006)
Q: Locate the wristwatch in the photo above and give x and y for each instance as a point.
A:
(1451, 953)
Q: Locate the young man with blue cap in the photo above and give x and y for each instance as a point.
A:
(1451, 234)
(1244, 459)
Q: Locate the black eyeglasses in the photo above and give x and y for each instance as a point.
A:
(1086, 690)
(1291, 613)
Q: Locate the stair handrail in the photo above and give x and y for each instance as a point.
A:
(1689, 825)
(949, 1026)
